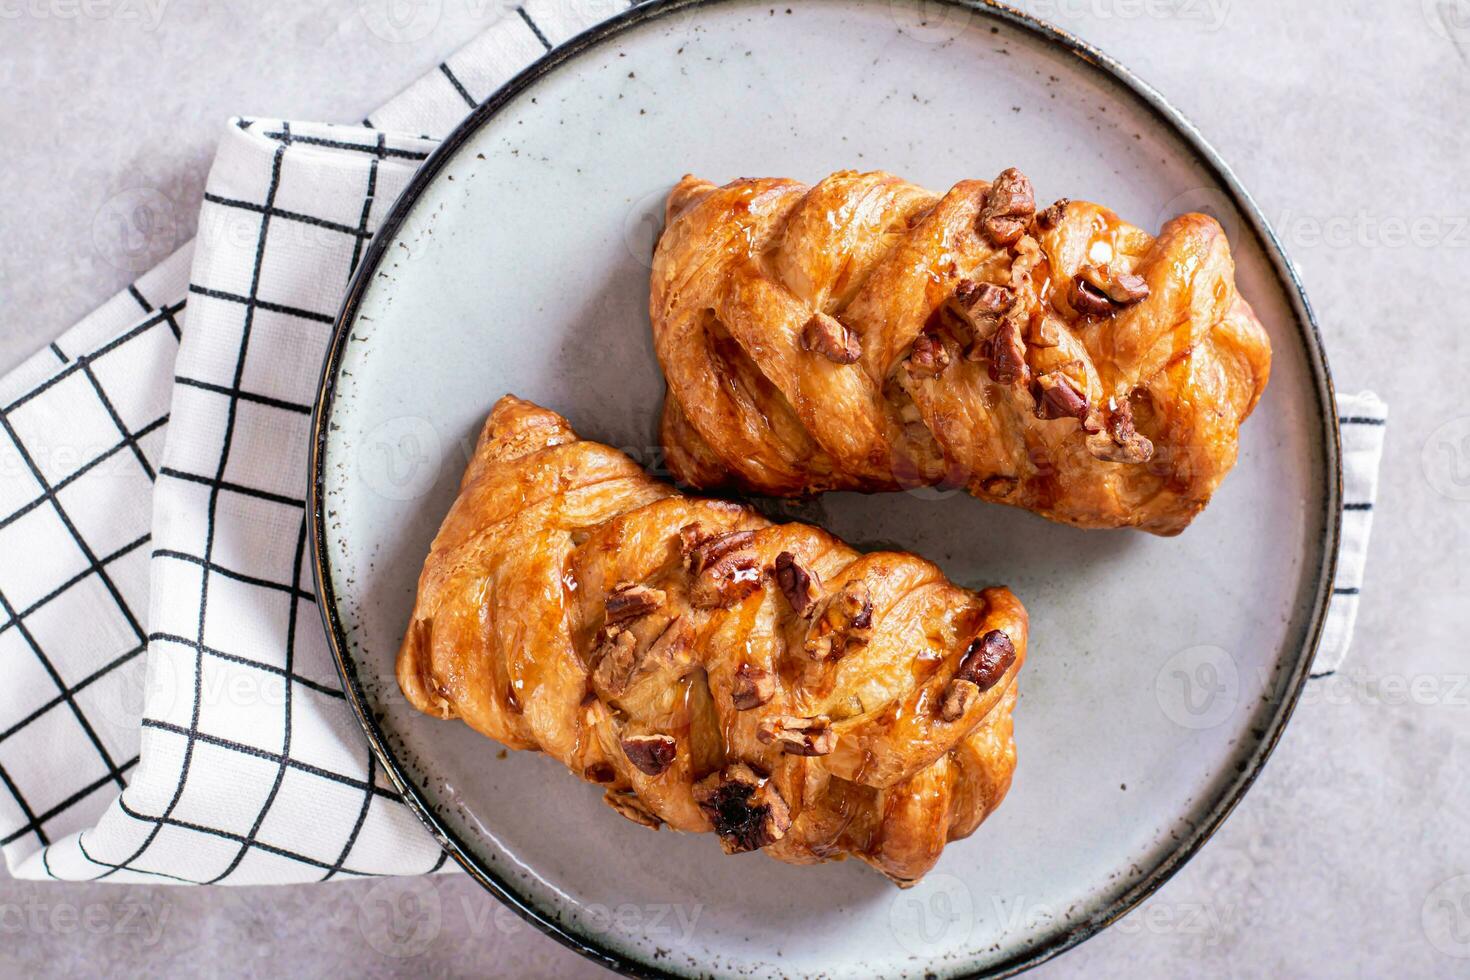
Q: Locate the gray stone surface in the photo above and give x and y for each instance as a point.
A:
(1348, 122)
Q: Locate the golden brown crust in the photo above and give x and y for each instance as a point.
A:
(570, 603)
(997, 352)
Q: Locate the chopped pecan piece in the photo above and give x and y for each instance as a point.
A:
(745, 808)
(614, 659)
(1097, 286)
(730, 578)
(1051, 217)
(845, 621)
(1088, 300)
(753, 687)
(826, 335)
(632, 601)
(799, 736)
(708, 550)
(1009, 205)
(1007, 353)
(627, 803)
(617, 660)
(983, 298)
(650, 754)
(958, 696)
(799, 584)
(1127, 288)
(1026, 256)
(1058, 398)
(987, 660)
(1120, 442)
(691, 536)
(928, 359)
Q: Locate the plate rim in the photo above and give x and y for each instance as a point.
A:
(639, 13)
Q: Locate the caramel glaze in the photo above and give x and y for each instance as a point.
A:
(740, 269)
(509, 631)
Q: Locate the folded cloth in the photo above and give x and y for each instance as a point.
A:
(1363, 419)
(171, 712)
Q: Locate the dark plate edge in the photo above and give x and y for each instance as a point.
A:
(1171, 118)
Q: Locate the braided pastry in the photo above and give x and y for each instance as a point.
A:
(866, 334)
(711, 670)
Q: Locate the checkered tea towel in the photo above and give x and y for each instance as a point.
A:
(170, 711)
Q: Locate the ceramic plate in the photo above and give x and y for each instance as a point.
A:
(1161, 671)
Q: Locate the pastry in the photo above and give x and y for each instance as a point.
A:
(710, 670)
(867, 334)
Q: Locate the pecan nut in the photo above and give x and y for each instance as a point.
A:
(987, 659)
(651, 755)
(1096, 289)
(799, 736)
(729, 579)
(1051, 217)
(703, 548)
(1120, 442)
(1009, 205)
(829, 337)
(983, 298)
(799, 584)
(745, 808)
(928, 358)
(1058, 398)
(1088, 300)
(752, 687)
(617, 660)
(628, 602)
(614, 660)
(845, 621)
(1007, 352)
(983, 665)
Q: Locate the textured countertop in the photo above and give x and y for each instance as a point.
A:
(1349, 122)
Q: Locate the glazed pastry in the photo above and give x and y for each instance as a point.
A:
(867, 334)
(710, 670)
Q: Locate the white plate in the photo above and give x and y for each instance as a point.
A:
(517, 262)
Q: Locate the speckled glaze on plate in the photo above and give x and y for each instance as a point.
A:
(1161, 671)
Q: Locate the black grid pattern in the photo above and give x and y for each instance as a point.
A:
(276, 785)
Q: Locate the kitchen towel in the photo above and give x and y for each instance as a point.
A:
(171, 712)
